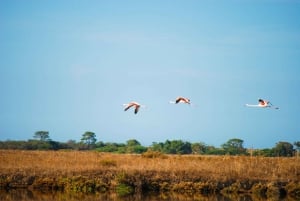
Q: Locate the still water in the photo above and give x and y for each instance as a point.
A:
(26, 195)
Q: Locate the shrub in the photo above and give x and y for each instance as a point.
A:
(153, 154)
(124, 189)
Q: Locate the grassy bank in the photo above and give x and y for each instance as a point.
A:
(76, 171)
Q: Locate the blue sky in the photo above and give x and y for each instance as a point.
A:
(68, 66)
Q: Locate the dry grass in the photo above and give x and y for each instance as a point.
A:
(183, 168)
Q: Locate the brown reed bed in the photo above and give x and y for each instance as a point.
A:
(89, 171)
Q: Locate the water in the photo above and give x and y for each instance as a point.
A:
(27, 195)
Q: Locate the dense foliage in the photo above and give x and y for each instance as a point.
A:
(88, 141)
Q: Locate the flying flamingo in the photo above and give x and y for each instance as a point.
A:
(133, 104)
(263, 104)
(181, 99)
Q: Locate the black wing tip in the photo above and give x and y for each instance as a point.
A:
(136, 111)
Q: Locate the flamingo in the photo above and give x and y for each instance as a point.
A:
(181, 99)
(133, 104)
(263, 104)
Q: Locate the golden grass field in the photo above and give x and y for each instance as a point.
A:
(220, 168)
(148, 171)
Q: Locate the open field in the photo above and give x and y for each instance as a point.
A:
(88, 171)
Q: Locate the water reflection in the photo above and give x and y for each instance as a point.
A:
(26, 195)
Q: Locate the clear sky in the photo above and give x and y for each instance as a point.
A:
(68, 66)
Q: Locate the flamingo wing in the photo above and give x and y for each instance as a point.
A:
(127, 107)
(178, 100)
(137, 107)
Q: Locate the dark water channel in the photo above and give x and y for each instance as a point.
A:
(27, 195)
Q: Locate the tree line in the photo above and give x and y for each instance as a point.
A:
(42, 141)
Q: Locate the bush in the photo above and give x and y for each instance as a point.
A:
(153, 154)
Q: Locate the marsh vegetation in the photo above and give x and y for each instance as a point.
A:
(125, 174)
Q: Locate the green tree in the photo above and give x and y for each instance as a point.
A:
(89, 139)
(71, 144)
(133, 142)
(234, 147)
(42, 135)
(138, 149)
(111, 147)
(157, 146)
(172, 147)
(283, 149)
(177, 147)
(297, 144)
(211, 150)
(199, 148)
(134, 146)
(100, 144)
(264, 152)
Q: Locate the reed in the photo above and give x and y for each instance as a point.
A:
(155, 172)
